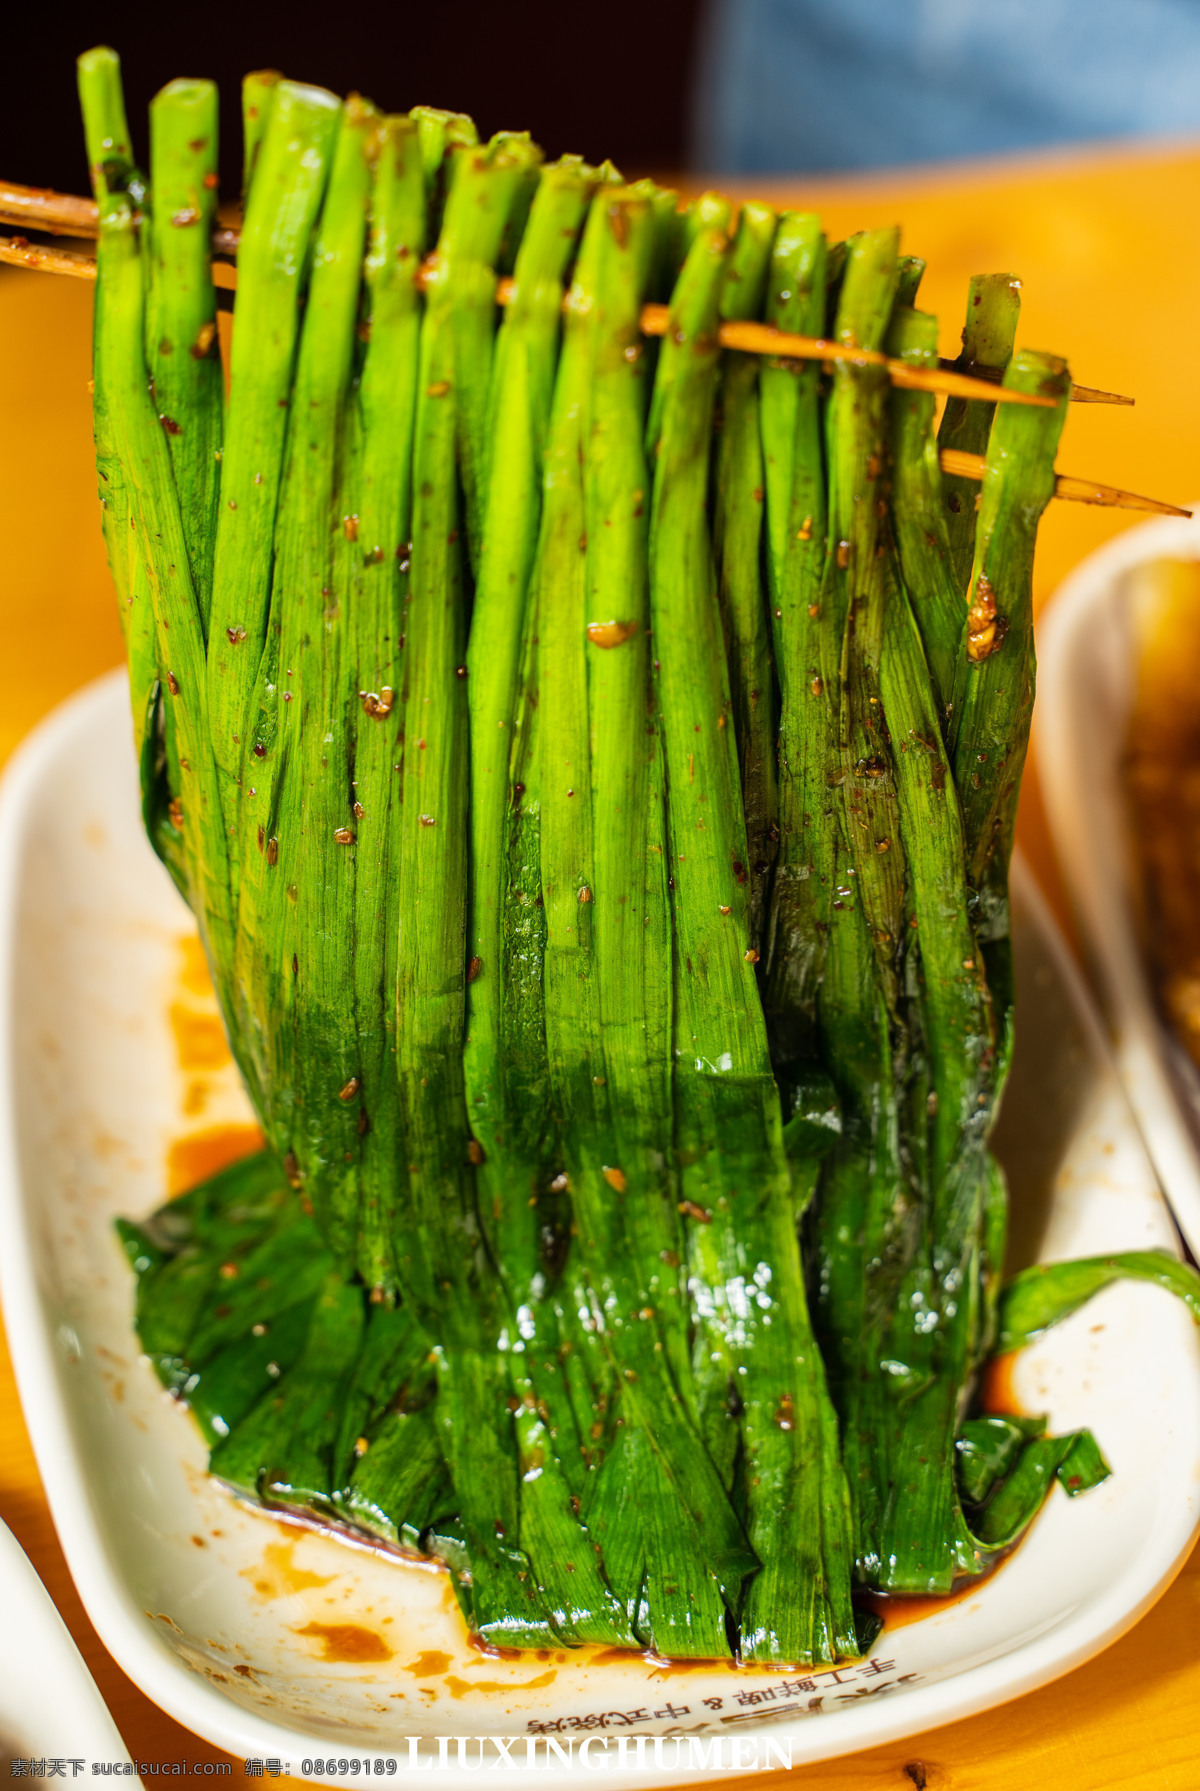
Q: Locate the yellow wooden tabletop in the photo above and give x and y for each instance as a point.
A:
(1108, 249)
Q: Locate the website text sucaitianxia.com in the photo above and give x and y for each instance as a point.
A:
(523, 1753)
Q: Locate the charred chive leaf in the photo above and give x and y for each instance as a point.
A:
(236, 1377)
(1083, 1467)
(1004, 1484)
(1018, 1498)
(229, 1279)
(282, 1451)
(400, 1485)
(179, 1251)
(1040, 1296)
(987, 1449)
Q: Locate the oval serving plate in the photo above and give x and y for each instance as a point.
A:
(49, 1703)
(1087, 663)
(286, 1644)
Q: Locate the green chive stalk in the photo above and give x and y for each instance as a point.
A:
(993, 310)
(283, 203)
(113, 174)
(807, 642)
(500, 1054)
(863, 1217)
(734, 1177)
(927, 1338)
(682, 1608)
(263, 427)
(298, 880)
(944, 1315)
(918, 512)
(258, 101)
(737, 547)
(670, 241)
(440, 1264)
(196, 848)
(994, 707)
(440, 135)
(504, 1055)
(509, 1133)
(376, 534)
(994, 677)
(593, 790)
(181, 311)
(911, 272)
(515, 159)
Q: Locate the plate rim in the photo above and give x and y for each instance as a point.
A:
(198, 1706)
(40, 1620)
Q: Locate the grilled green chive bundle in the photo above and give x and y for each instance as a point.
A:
(592, 765)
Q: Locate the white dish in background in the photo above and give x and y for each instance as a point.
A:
(49, 1705)
(1087, 668)
(225, 1619)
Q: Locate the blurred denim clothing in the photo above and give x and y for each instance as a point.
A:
(810, 84)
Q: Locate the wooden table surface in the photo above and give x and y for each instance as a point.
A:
(1107, 247)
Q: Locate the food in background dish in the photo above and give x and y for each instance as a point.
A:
(1163, 779)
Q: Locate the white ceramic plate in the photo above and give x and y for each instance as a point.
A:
(49, 1705)
(234, 1624)
(1088, 655)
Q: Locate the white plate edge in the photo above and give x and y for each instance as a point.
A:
(207, 1712)
(1100, 902)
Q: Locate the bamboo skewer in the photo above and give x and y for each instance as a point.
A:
(67, 214)
(37, 208)
(1079, 394)
(1078, 491)
(753, 338)
(18, 251)
(70, 214)
(1096, 395)
(763, 338)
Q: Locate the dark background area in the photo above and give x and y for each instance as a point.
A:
(600, 81)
